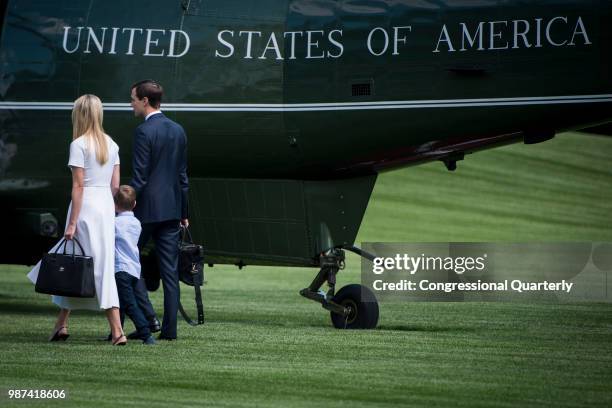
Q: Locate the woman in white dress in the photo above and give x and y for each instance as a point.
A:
(94, 161)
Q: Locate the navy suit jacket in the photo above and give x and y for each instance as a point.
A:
(159, 166)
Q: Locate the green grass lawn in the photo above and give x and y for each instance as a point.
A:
(264, 345)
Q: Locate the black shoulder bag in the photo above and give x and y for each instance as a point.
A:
(191, 272)
(65, 274)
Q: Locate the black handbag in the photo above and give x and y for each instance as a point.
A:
(191, 260)
(191, 272)
(65, 274)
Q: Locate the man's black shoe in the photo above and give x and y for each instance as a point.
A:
(154, 325)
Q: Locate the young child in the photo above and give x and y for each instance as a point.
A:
(127, 263)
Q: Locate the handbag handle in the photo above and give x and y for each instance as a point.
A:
(186, 233)
(64, 244)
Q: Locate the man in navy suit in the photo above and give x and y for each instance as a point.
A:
(159, 166)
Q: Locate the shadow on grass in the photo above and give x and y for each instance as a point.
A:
(42, 338)
(22, 308)
(266, 320)
(315, 324)
(425, 328)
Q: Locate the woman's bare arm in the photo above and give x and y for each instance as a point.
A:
(115, 180)
(77, 200)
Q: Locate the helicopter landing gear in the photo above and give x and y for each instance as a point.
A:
(354, 306)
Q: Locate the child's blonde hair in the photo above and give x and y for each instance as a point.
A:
(125, 199)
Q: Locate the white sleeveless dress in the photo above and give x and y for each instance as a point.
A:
(95, 226)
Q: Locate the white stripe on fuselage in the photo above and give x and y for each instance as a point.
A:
(306, 107)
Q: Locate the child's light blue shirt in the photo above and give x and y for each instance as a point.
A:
(127, 232)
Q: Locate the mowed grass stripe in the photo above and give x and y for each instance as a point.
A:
(550, 191)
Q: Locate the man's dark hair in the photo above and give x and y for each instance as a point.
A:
(125, 198)
(151, 89)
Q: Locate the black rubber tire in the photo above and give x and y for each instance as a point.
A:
(363, 304)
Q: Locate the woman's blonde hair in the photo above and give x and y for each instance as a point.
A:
(87, 121)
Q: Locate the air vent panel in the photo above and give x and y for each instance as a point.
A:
(361, 89)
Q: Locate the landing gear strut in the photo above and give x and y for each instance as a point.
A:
(354, 306)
